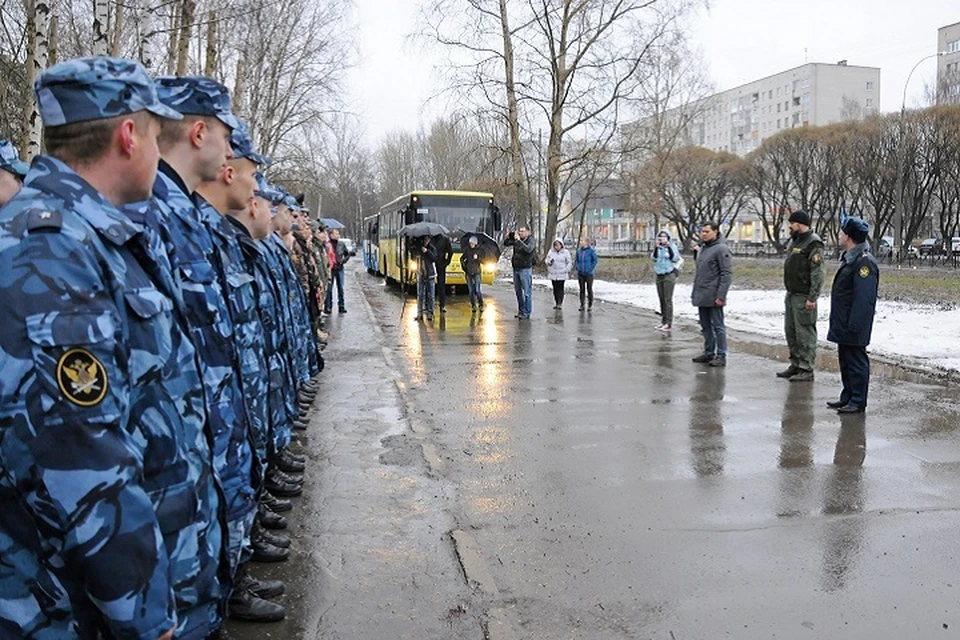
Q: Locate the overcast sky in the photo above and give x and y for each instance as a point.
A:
(742, 40)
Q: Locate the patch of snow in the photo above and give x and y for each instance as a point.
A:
(919, 335)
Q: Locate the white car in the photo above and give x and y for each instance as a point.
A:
(351, 247)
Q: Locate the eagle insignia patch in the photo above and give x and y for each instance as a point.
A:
(81, 378)
(864, 272)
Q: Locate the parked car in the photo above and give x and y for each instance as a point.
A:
(351, 247)
(931, 247)
(884, 247)
(955, 245)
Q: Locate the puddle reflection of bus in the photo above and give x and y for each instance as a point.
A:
(386, 254)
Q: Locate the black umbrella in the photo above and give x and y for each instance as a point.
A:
(484, 242)
(421, 229)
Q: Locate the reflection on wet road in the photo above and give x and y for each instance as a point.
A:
(618, 490)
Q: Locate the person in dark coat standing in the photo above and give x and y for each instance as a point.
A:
(853, 301)
(471, 261)
(441, 244)
(710, 286)
(802, 278)
(524, 255)
(586, 263)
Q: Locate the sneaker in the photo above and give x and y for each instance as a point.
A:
(788, 372)
(665, 328)
(802, 376)
(429, 317)
(443, 309)
(418, 317)
(703, 358)
(473, 308)
(581, 308)
(719, 361)
(342, 310)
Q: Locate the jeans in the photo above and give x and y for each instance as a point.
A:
(425, 288)
(586, 286)
(473, 286)
(666, 282)
(714, 331)
(523, 286)
(336, 277)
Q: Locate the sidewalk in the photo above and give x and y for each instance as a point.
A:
(371, 555)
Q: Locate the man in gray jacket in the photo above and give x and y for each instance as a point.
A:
(710, 286)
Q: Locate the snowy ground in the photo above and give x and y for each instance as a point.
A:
(918, 335)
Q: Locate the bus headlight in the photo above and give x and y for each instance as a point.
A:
(412, 266)
(489, 267)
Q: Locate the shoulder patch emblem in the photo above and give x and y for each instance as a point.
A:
(864, 271)
(816, 257)
(81, 378)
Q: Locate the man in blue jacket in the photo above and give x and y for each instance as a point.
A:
(586, 264)
(853, 300)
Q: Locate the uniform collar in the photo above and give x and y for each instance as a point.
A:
(852, 254)
(53, 176)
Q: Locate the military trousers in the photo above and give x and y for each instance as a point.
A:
(800, 327)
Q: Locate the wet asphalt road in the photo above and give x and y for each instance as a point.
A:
(577, 476)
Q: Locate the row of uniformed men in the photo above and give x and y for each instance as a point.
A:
(157, 351)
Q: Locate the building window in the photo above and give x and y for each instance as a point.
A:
(953, 47)
(778, 123)
(786, 105)
(770, 95)
(805, 99)
(869, 86)
(778, 107)
(869, 103)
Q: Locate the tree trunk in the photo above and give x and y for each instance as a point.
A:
(174, 36)
(54, 40)
(186, 25)
(29, 105)
(117, 29)
(211, 61)
(36, 62)
(238, 87)
(100, 28)
(521, 193)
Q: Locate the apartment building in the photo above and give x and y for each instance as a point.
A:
(814, 94)
(948, 65)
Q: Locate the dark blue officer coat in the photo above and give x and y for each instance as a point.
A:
(853, 300)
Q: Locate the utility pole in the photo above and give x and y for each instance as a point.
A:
(902, 164)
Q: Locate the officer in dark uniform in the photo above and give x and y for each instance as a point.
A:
(853, 301)
(802, 277)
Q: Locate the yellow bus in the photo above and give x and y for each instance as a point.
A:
(386, 254)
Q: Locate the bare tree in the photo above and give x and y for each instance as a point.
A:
(101, 28)
(38, 30)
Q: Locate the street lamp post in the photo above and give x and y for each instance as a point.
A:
(902, 161)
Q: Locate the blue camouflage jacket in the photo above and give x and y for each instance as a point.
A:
(199, 265)
(103, 460)
(248, 333)
(274, 405)
(287, 342)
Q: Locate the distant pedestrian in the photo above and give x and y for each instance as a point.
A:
(524, 255)
(853, 300)
(558, 269)
(802, 277)
(665, 257)
(586, 265)
(710, 286)
(426, 278)
(471, 261)
(341, 254)
(12, 171)
(444, 249)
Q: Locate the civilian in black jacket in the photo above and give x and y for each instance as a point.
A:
(524, 255)
(444, 249)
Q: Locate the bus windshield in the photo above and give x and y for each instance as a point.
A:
(459, 214)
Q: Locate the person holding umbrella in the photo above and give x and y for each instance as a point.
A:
(426, 278)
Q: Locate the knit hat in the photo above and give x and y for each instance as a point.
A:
(856, 228)
(800, 217)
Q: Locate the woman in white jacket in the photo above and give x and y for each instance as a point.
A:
(558, 268)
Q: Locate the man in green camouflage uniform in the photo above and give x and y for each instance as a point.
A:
(802, 277)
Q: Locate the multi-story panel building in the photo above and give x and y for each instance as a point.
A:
(948, 64)
(739, 119)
